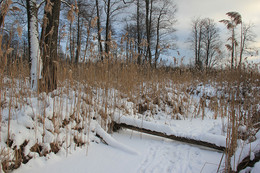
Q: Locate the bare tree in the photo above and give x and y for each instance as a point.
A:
(164, 16)
(112, 9)
(211, 42)
(135, 27)
(153, 30)
(196, 41)
(89, 17)
(235, 19)
(247, 36)
(206, 42)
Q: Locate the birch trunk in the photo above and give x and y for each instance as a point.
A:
(33, 41)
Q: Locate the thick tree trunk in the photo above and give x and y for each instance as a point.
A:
(50, 55)
(33, 42)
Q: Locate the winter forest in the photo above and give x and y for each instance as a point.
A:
(112, 86)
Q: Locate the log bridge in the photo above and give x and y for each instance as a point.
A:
(117, 125)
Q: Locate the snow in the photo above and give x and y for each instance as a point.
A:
(127, 151)
(112, 142)
(156, 155)
(247, 150)
(219, 140)
(256, 168)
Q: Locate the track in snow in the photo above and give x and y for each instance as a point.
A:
(170, 157)
(161, 155)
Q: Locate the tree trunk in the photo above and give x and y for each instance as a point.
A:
(3, 13)
(78, 40)
(157, 51)
(207, 54)
(148, 27)
(138, 32)
(99, 31)
(87, 41)
(107, 28)
(233, 48)
(50, 54)
(127, 45)
(242, 45)
(71, 44)
(196, 44)
(199, 48)
(1, 19)
(33, 42)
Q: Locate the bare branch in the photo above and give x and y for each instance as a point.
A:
(21, 4)
(128, 2)
(66, 3)
(40, 4)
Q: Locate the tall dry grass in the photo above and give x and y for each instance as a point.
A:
(96, 89)
(142, 85)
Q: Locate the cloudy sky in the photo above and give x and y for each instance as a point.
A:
(215, 9)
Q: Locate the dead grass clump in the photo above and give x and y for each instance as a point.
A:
(37, 148)
(55, 147)
(78, 141)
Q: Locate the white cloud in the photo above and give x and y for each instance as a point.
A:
(215, 9)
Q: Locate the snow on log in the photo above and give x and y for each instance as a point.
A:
(246, 155)
(217, 142)
(248, 162)
(112, 142)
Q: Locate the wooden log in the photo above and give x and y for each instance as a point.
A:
(173, 137)
(246, 162)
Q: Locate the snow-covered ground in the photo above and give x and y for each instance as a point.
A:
(154, 155)
(73, 118)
